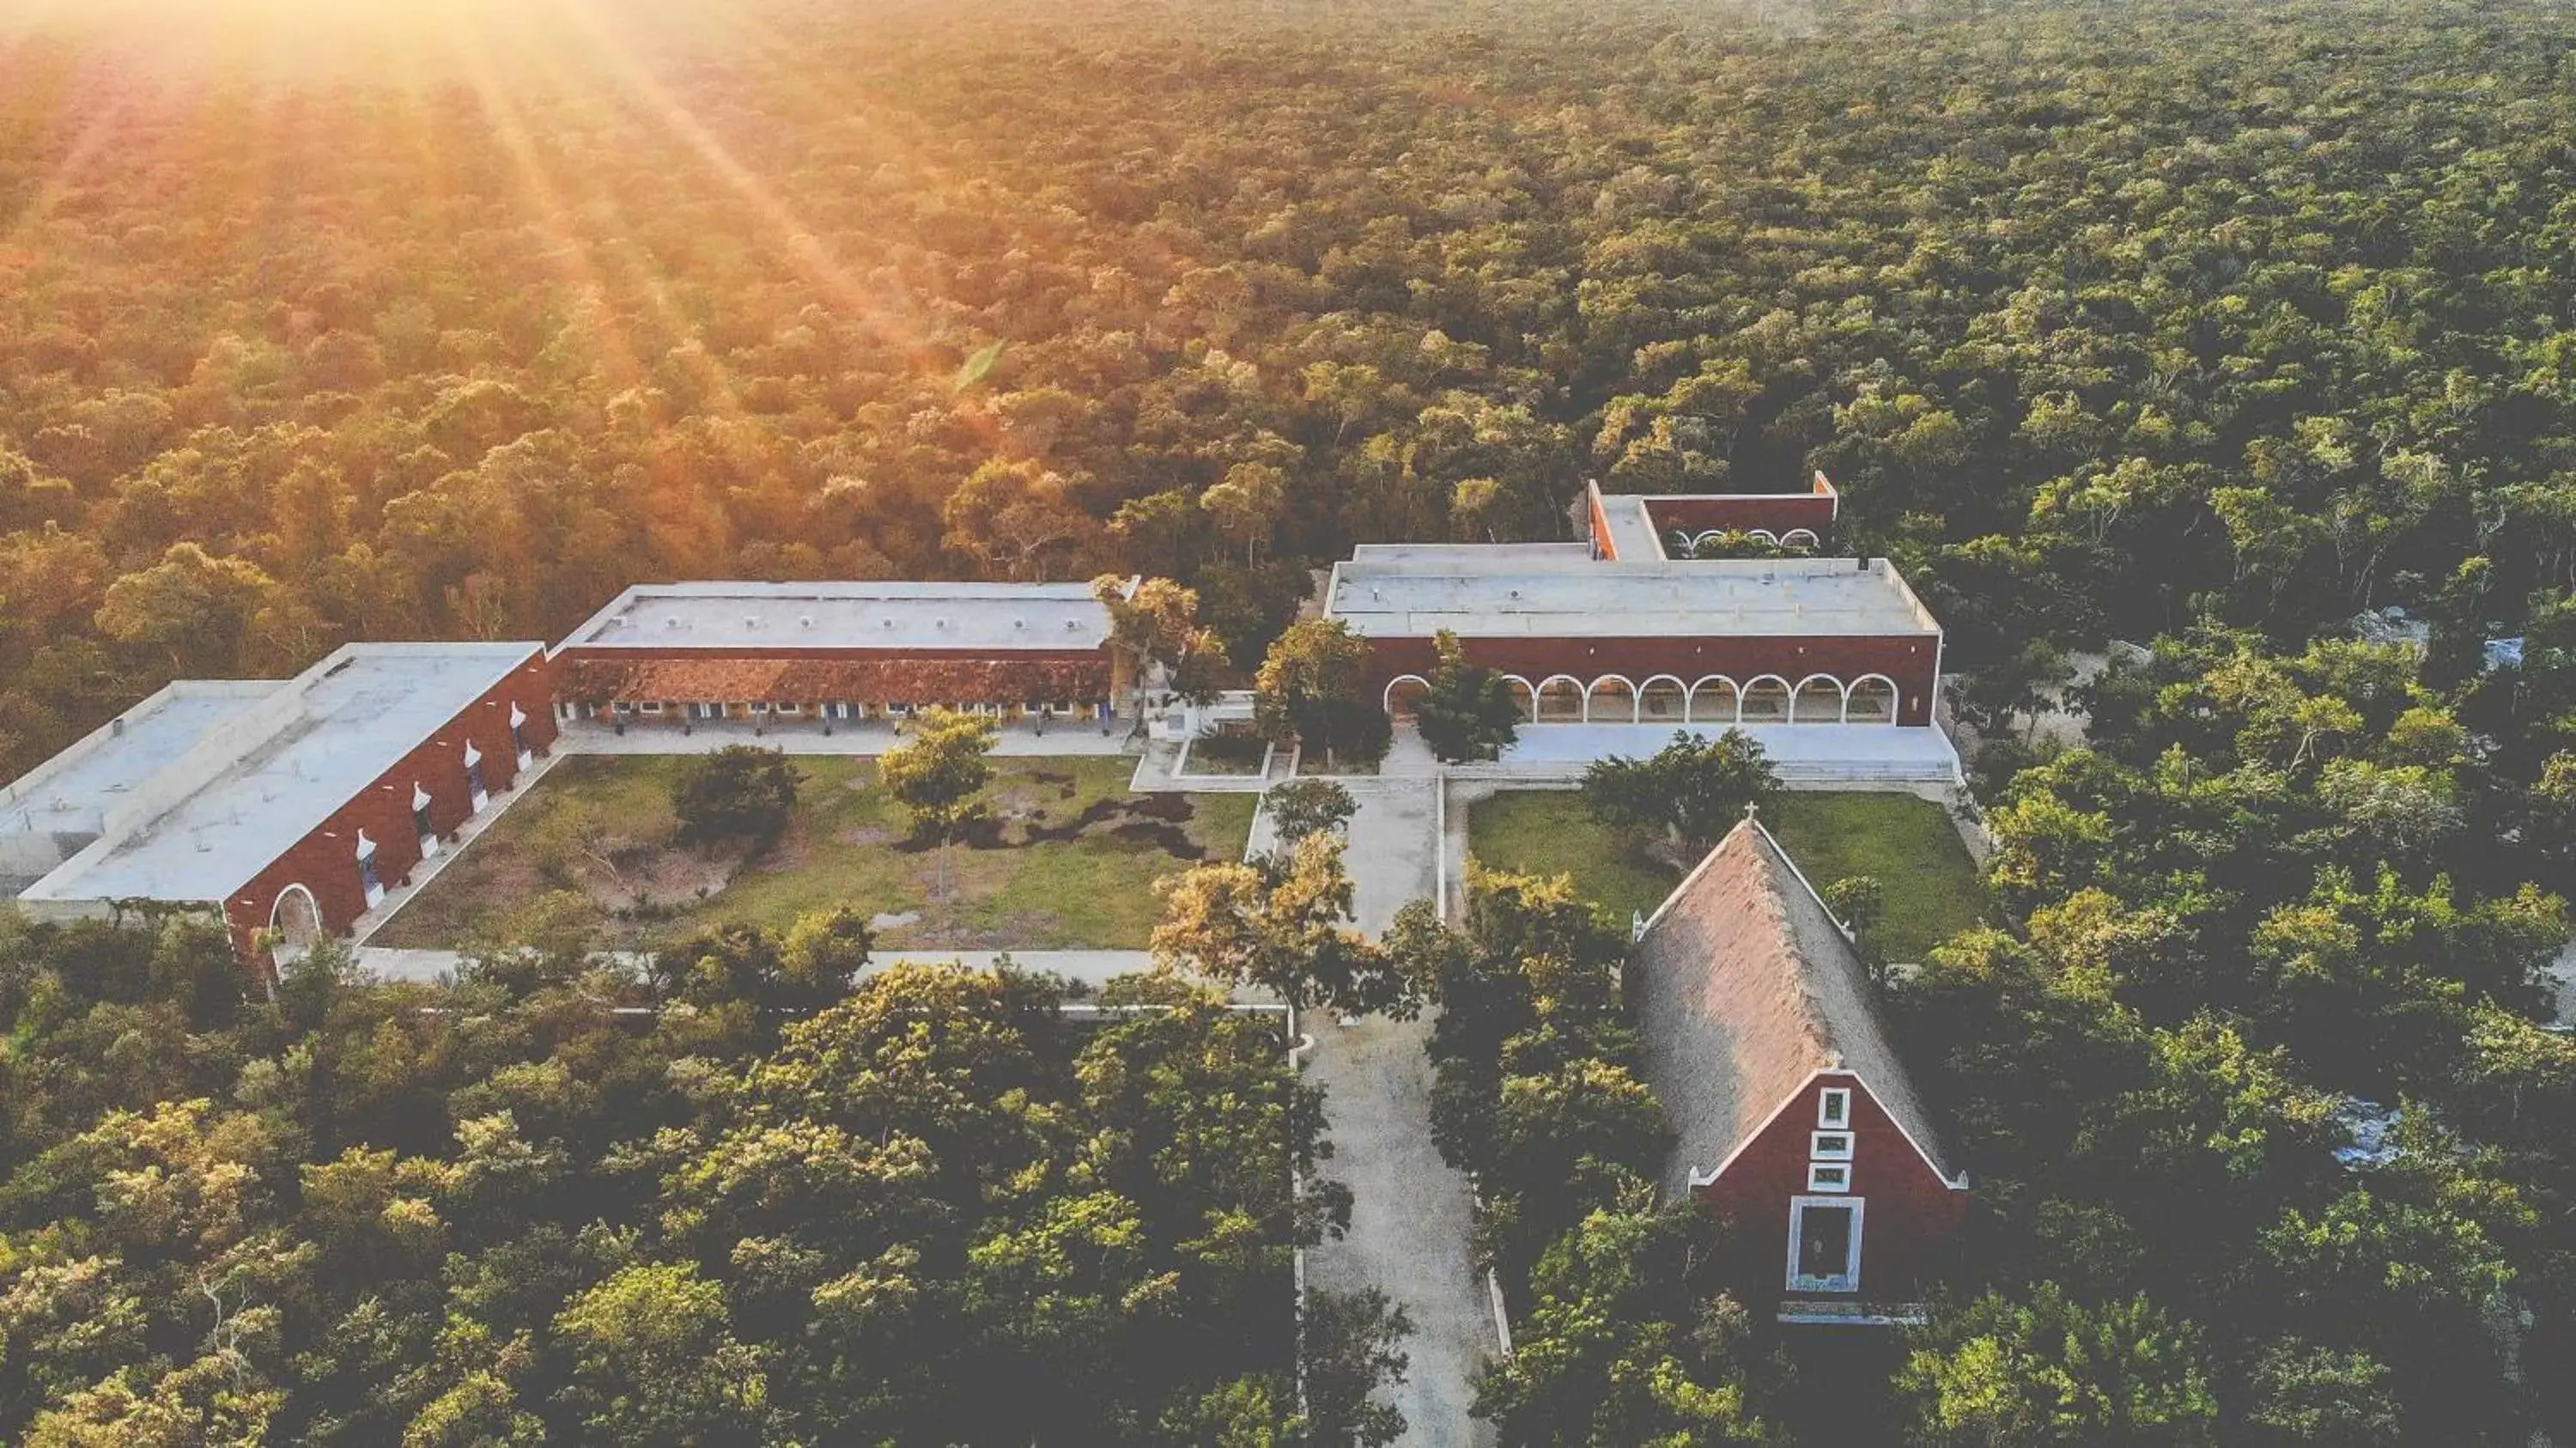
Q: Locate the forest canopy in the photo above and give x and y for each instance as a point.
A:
(2103, 318)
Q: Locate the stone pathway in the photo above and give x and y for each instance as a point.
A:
(1410, 1214)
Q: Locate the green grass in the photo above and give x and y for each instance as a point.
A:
(1090, 890)
(1931, 887)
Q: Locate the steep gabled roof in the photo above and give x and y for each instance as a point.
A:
(1745, 988)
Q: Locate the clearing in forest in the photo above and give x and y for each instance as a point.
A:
(1066, 860)
(1931, 888)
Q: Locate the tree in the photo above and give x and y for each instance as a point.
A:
(1999, 1373)
(938, 773)
(1302, 807)
(1468, 713)
(202, 611)
(2025, 683)
(1354, 1345)
(1691, 791)
(1312, 691)
(736, 793)
(1157, 622)
(1280, 928)
(655, 1360)
(1858, 901)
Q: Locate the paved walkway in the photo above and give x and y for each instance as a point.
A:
(1410, 1214)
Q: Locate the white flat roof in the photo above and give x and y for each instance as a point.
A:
(993, 617)
(261, 779)
(1579, 598)
(72, 792)
(1632, 529)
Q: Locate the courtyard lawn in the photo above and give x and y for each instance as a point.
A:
(1067, 861)
(1932, 889)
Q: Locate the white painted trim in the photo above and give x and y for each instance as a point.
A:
(1895, 696)
(1697, 1179)
(1386, 697)
(420, 798)
(1817, 1150)
(1654, 679)
(1583, 698)
(472, 755)
(1849, 1281)
(366, 847)
(1826, 1119)
(1527, 689)
(1595, 687)
(1829, 1176)
(277, 910)
(1734, 716)
(1788, 715)
(1842, 698)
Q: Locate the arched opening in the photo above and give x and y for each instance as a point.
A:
(1404, 696)
(1798, 538)
(1762, 535)
(1612, 700)
(1662, 699)
(1560, 701)
(1872, 700)
(1713, 700)
(1524, 698)
(1766, 700)
(1818, 700)
(297, 919)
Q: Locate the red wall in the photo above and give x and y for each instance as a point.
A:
(1779, 514)
(1910, 660)
(326, 861)
(1910, 1209)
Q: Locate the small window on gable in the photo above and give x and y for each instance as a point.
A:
(1829, 1176)
(1830, 1146)
(1833, 1108)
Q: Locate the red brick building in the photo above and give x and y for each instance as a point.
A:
(1797, 1121)
(814, 655)
(1613, 631)
(1642, 528)
(289, 807)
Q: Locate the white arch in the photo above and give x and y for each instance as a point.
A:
(1762, 535)
(1799, 538)
(1538, 699)
(1651, 681)
(1386, 701)
(1895, 695)
(1734, 714)
(1527, 693)
(1789, 697)
(1842, 697)
(1702, 540)
(1595, 686)
(290, 945)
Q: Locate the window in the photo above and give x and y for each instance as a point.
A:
(1828, 1176)
(1830, 1146)
(1833, 1107)
(791, 709)
(652, 707)
(1824, 1244)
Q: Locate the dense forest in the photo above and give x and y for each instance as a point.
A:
(2206, 327)
(508, 1211)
